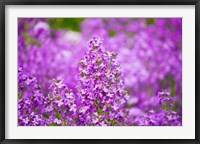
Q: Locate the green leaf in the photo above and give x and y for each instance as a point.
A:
(100, 112)
(46, 115)
(108, 120)
(150, 21)
(54, 124)
(97, 102)
(165, 106)
(35, 110)
(65, 123)
(58, 116)
(135, 124)
(66, 23)
(112, 33)
(20, 95)
(173, 87)
(58, 97)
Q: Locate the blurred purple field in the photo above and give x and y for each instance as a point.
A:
(100, 72)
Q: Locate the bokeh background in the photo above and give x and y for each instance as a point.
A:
(149, 51)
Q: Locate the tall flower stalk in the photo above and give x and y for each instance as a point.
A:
(101, 88)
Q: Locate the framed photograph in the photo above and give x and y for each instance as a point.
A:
(99, 72)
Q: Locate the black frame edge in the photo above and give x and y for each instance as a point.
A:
(102, 141)
(101, 2)
(2, 75)
(197, 59)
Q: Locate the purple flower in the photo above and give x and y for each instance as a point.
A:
(163, 98)
(56, 87)
(101, 86)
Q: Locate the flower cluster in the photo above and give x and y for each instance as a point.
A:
(59, 105)
(101, 89)
(162, 114)
(159, 118)
(163, 98)
(30, 100)
(34, 108)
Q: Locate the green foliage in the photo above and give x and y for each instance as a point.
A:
(175, 107)
(113, 122)
(54, 124)
(46, 115)
(100, 112)
(19, 95)
(173, 87)
(35, 110)
(58, 116)
(30, 40)
(165, 106)
(65, 23)
(112, 33)
(150, 21)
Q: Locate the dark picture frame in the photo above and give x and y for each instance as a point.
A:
(4, 3)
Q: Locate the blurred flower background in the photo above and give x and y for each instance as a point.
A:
(58, 83)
